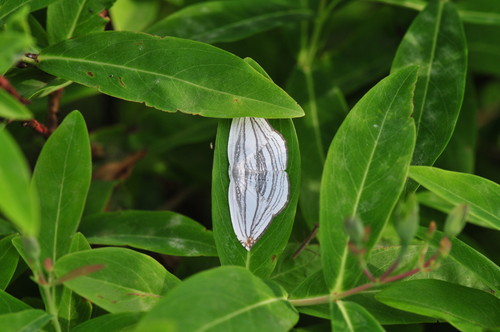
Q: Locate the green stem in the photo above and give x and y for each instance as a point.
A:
(334, 297)
(49, 292)
(307, 56)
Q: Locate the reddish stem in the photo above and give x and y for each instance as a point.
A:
(37, 126)
(307, 241)
(5, 84)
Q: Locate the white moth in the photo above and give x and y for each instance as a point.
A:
(259, 185)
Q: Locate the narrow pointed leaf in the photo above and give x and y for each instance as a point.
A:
(458, 305)
(170, 74)
(62, 179)
(129, 281)
(224, 299)
(365, 171)
(164, 232)
(12, 109)
(19, 202)
(436, 43)
(26, 320)
(350, 316)
(227, 21)
(8, 261)
(9, 303)
(261, 259)
(482, 195)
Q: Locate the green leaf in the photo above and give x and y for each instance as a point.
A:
(9, 303)
(71, 18)
(11, 109)
(350, 316)
(31, 82)
(228, 21)
(14, 39)
(459, 154)
(72, 308)
(436, 43)
(8, 261)
(164, 232)
(292, 271)
(26, 320)
(133, 15)
(473, 261)
(120, 322)
(365, 171)
(98, 197)
(434, 201)
(62, 178)
(129, 281)
(19, 203)
(169, 74)
(222, 299)
(482, 195)
(261, 259)
(458, 305)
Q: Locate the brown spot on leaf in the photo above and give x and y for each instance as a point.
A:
(144, 294)
(235, 100)
(121, 81)
(91, 74)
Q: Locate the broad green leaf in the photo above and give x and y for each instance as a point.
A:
(365, 171)
(350, 316)
(170, 74)
(120, 322)
(459, 154)
(482, 195)
(62, 178)
(5, 227)
(291, 271)
(458, 305)
(470, 259)
(129, 281)
(11, 109)
(26, 320)
(71, 18)
(164, 232)
(8, 261)
(261, 259)
(325, 109)
(227, 21)
(133, 15)
(436, 43)
(72, 308)
(434, 201)
(14, 39)
(222, 299)
(19, 203)
(485, 12)
(98, 196)
(9, 303)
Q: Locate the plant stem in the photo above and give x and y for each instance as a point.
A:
(49, 292)
(333, 297)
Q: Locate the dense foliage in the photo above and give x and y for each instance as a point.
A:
(115, 118)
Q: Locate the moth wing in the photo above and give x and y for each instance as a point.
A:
(255, 145)
(254, 201)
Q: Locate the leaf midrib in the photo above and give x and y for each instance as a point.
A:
(238, 312)
(43, 58)
(430, 66)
